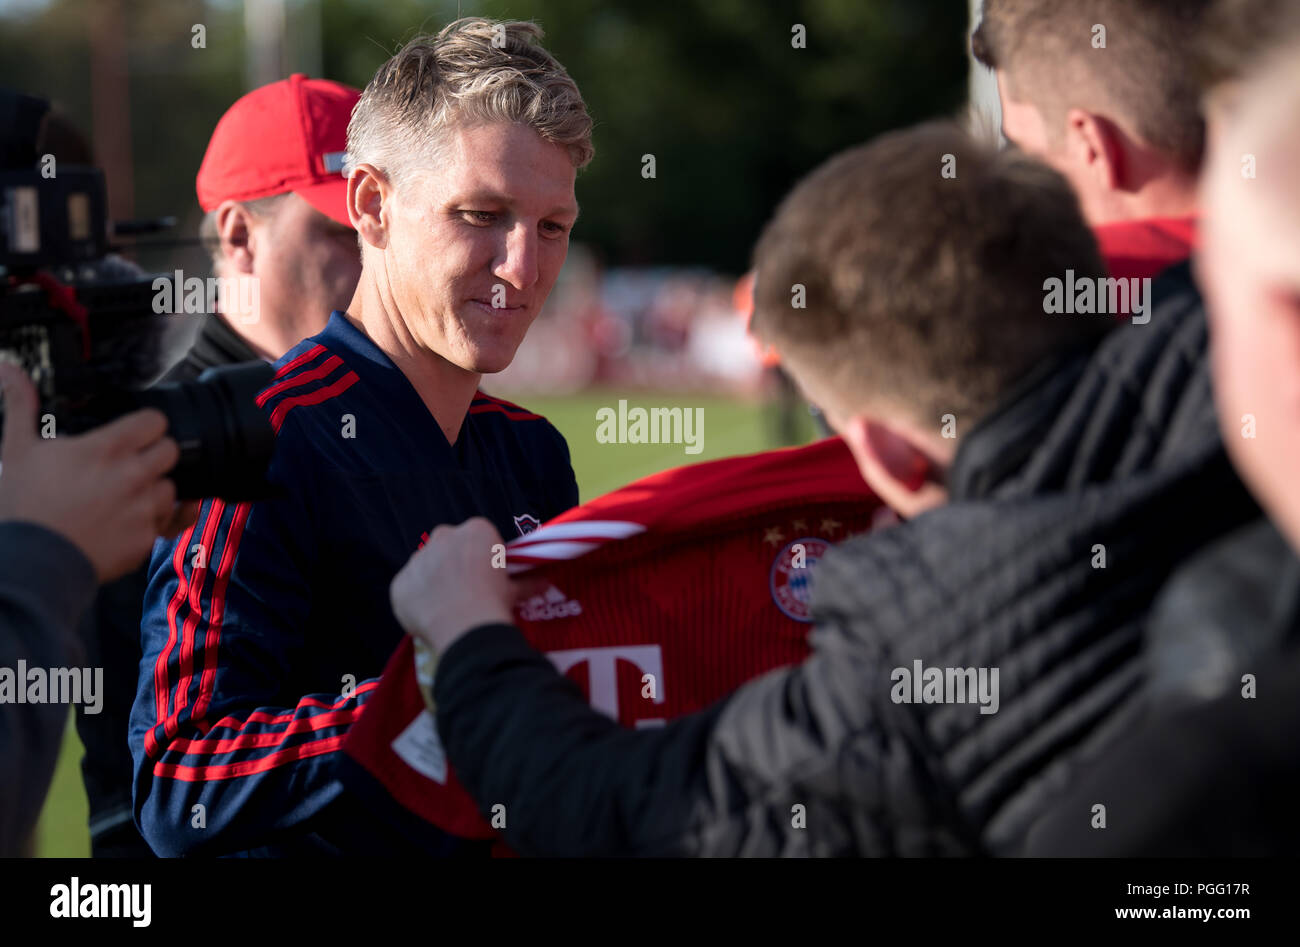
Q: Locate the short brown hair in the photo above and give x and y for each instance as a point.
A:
(1239, 35)
(1144, 75)
(474, 70)
(922, 290)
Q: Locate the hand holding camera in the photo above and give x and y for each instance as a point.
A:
(104, 490)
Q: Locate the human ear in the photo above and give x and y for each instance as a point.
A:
(894, 465)
(1097, 145)
(369, 191)
(236, 232)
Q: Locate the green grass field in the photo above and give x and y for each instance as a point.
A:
(731, 427)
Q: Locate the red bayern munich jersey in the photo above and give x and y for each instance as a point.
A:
(664, 596)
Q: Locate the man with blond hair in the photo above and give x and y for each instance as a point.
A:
(267, 624)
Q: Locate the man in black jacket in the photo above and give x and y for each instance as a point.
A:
(1214, 769)
(1053, 469)
(283, 249)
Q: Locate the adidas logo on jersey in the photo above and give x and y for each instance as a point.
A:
(553, 604)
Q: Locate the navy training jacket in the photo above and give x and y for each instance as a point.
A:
(267, 624)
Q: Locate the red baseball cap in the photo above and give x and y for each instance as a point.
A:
(286, 136)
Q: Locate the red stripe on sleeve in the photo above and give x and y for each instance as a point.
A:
(218, 610)
(511, 410)
(249, 767)
(161, 687)
(302, 359)
(208, 746)
(261, 716)
(315, 397)
(198, 579)
(320, 371)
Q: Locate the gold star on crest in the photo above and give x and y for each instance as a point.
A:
(830, 526)
(773, 535)
(799, 526)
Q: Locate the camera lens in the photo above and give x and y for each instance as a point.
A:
(225, 439)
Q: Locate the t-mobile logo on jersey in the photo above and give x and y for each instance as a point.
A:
(602, 674)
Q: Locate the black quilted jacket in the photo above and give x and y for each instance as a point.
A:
(1111, 453)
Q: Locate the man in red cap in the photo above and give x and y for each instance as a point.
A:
(276, 206)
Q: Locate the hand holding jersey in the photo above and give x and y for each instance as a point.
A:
(451, 585)
(656, 599)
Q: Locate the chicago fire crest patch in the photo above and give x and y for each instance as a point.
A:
(526, 523)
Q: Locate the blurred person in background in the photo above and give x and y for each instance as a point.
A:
(277, 223)
(789, 402)
(1105, 92)
(272, 187)
(1214, 770)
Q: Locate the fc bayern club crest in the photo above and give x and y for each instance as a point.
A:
(791, 579)
(526, 524)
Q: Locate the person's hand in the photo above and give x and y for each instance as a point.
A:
(103, 490)
(451, 586)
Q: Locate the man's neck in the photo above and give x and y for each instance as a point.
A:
(1171, 195)
(446, 389)
(256, 343)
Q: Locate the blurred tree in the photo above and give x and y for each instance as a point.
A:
(177, 91)
(732, 111)
(715, 90)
